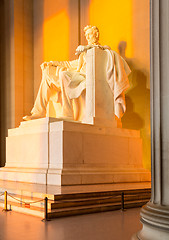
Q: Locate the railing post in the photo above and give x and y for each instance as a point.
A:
(122, 201)
(45, 209)
(6, 202)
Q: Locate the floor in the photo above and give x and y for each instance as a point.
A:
(115, 225)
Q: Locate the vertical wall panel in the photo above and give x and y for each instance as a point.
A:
(28, 72)
(23, 60)
(2, 83)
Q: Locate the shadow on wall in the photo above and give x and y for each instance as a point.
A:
(137, 115)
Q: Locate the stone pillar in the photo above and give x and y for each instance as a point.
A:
(155, 214)
(18, 60)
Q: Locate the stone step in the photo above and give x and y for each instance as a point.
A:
(97, 200)
(56, 213)
(71, 203)
(99, 194)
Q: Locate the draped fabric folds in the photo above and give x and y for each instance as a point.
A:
(65, 78)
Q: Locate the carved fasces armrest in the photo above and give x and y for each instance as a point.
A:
(99, 97)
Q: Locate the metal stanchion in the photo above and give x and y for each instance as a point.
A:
(122, 201)
(6, 203)
(45, 210)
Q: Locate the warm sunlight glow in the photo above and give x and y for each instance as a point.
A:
(114, 20)
(56, 37)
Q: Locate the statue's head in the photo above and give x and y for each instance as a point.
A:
(92, 34)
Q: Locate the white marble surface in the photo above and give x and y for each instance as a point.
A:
(56, 152)
(68, 153)
(99, 97)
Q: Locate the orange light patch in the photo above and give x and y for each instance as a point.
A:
(114, 20)
(56, 37)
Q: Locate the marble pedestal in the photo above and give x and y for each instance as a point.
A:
(49, 151)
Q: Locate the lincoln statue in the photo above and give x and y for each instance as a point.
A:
(68, 78)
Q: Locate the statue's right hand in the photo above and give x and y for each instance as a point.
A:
(50, 63)
(43, 65)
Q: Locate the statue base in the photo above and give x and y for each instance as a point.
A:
(56, 152)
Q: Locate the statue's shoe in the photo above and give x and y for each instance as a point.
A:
(33, 116)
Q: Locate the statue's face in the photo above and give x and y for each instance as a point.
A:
(90, 35)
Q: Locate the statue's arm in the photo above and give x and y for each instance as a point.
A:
(80, 62)
(66, 64)
(60, 63)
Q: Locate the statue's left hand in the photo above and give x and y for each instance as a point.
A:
(81, 49)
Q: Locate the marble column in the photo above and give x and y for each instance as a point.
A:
(155, 214)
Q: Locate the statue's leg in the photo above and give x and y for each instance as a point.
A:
(43, 95)
(79, 106)
(67, 105)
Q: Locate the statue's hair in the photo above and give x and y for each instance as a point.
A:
(94, 28)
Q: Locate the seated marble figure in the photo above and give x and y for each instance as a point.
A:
(68, 79)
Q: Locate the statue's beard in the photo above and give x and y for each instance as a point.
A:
(95, 42)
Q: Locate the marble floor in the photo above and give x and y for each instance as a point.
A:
(115, 225)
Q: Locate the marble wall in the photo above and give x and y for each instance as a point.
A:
(16, 72)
